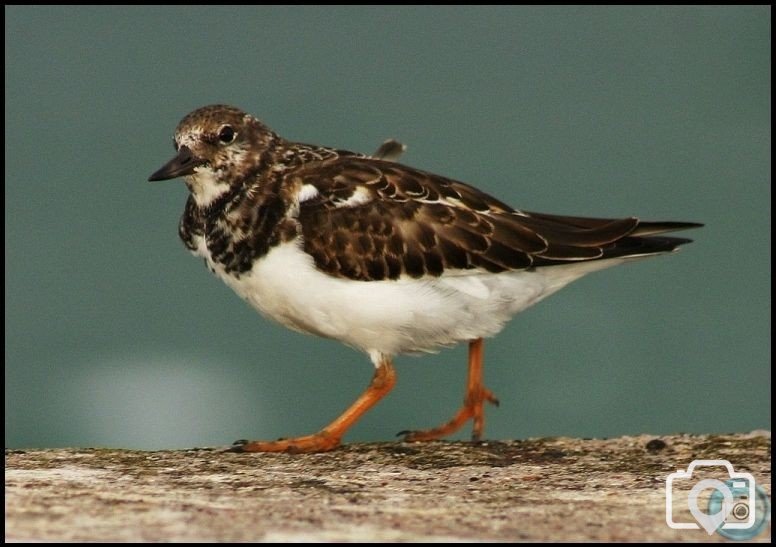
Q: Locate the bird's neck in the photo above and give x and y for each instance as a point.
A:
(241, 224)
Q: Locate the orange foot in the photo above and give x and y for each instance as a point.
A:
(329, 437)
(473, 404)
(320, 442)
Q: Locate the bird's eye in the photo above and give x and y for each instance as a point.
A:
(226, 134)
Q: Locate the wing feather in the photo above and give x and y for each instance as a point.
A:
(373, 219)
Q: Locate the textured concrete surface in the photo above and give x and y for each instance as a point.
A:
(536, 489)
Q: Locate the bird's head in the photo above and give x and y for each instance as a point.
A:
(218, 147)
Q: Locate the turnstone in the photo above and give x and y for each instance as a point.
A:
(383, 257)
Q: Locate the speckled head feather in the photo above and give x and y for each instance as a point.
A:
(219, 148)
(205, 125)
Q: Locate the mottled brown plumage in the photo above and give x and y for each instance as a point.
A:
(410, 222)
(369, 219)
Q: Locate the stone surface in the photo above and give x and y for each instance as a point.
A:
(536, 489)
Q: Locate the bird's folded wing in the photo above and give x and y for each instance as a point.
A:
(368, 219)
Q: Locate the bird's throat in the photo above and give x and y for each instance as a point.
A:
(205, 187)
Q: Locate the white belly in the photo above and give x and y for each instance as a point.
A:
(393, 316)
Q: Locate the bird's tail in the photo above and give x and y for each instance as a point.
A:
(654, 228)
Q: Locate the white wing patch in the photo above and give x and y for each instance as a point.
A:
(360, 196)
(307, 192)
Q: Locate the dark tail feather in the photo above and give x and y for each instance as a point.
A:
(640, 246)
(635, 244)
(654, 228)
(586, 238)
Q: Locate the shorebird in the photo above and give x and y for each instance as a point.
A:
(383, 257)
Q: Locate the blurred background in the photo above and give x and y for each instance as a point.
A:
(116, 336)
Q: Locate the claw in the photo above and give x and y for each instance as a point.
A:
(238, 447)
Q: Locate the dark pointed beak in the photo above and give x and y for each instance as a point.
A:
(181, 165)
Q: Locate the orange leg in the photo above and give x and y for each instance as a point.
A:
(473, 403)
(330, 436)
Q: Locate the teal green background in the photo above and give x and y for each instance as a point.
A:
(117, 336)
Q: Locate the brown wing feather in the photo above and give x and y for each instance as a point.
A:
(374, 219)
